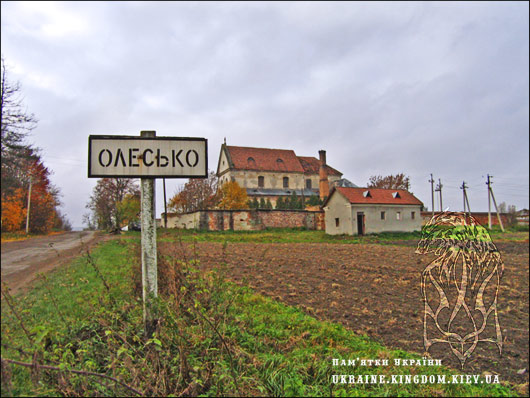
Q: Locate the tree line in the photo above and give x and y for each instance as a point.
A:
(115, 202)
(25, 180)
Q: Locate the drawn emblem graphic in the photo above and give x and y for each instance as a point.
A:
(461, 285)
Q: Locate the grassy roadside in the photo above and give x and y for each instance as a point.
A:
(21, 235)
(295, 235)
(279, 235)
(214, 338)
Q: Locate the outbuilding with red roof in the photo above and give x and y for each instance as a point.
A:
(359, 211)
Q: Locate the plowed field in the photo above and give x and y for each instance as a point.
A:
(374, 290)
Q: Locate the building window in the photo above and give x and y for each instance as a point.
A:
(286, 182)
(308, 183)
(398, 215)
(336, 222)
(261, 181)
(382, 215)
(413, 215)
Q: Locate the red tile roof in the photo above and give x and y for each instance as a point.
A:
(311, 165)
(265, 159)
(379, 196)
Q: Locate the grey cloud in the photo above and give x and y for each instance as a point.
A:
(383, 87)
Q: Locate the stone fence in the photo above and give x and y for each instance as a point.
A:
(481, 217)
(247, 220)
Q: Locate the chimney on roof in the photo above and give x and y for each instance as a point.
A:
(323, 173)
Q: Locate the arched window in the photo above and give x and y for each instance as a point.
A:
(251, 162)
(261, 181)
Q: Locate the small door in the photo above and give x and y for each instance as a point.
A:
(360, 224)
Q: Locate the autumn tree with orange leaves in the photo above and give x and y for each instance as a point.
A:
(13, 210)
(22, 167)
(196, 194)
(233, 197)
(44, 200)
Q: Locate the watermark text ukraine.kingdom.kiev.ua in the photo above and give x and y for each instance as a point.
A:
(404, 378)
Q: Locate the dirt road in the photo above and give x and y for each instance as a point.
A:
(23, 260)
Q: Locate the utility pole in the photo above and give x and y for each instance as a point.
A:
(165, 205)
(29, 204)
(488, 183)
(439, 189)
(466, 200)
(149, 264)
(432, 194)
(490, 194)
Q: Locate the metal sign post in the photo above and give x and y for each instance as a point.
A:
(147, 157)
(149, 267)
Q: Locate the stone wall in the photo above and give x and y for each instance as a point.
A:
(481, 217)
(247, 220)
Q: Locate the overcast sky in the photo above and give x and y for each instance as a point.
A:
(384, 88)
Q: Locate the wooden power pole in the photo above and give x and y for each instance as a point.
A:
(490, 195)
(439, 189)
(488, 183)
(29, 204)
(432, 194)
(466, 200)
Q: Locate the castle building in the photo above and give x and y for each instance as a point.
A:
(274, 173)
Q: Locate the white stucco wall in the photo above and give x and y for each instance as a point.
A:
(374, 224)
(339, 207)
(185, 221)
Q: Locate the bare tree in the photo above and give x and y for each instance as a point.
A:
(197, 194)
(16, 125)
(510, 211)
(398, 181)
(103, 203)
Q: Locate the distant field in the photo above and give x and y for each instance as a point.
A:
(289, 235)
(281, 235)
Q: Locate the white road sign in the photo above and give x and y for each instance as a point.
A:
(141, 157)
